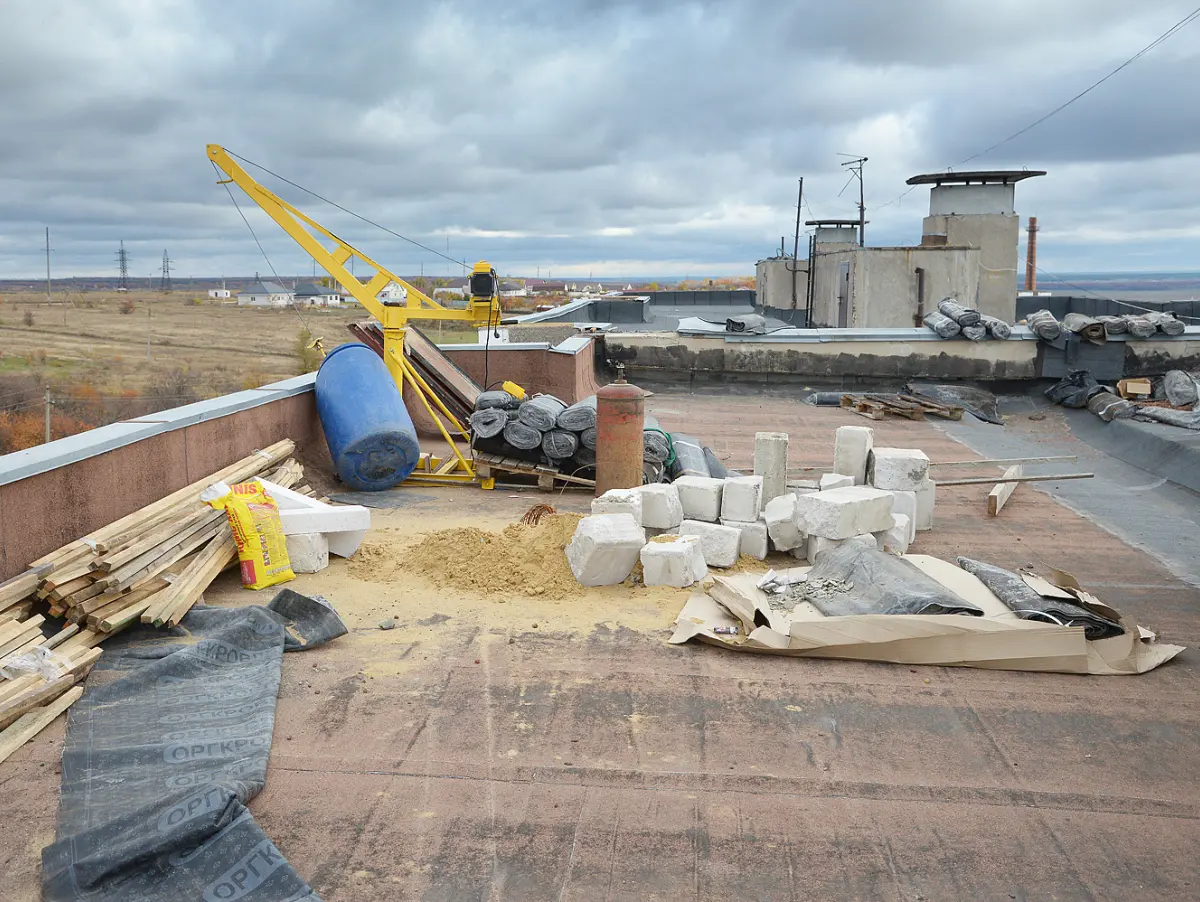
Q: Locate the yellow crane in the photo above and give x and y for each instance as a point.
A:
(482, 309)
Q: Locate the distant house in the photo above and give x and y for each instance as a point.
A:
(392, 291)
(264, 294)
(512, 290)
(316, 295)
(221, 294)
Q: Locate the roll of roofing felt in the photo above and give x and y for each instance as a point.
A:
(1043, 324)
(579, 416)
(541, 412)
(489, 422)
(501, 399)
(997, 328)
(1139, 326)
(977, 332)
(1085, 327)
(964, 316)
(559, 444)
(943, 325)
(522, 436)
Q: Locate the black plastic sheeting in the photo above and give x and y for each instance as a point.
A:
(978, 402)
(1027, 604)
(165, 749)
(1075, 390)
(689, 456)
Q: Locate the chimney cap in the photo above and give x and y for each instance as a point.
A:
(978, 177)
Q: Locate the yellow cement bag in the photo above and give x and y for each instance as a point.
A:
(254, 518)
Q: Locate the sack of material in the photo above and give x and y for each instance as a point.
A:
(943, 325)
(501, 399)
(522, 436)
(997, 328)
(559, 444)
(1043, 324)
(541, 413)
(489, 422)
(254, 520)
(579, 416)
(964, 316)
(1085, 327)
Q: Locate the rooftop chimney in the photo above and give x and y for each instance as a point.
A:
(1031, 255)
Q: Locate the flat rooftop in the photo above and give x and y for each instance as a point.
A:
(975, 177)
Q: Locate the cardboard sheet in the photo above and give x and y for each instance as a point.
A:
(1000, 640)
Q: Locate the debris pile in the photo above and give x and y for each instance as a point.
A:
(1173, 398)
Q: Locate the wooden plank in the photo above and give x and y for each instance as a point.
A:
(61, 636)
(31, 642)
(1003, 491)
(993, 480)
(113, 560)
(418, 346)
(1005, 461)
(21, 586)
(28, 628)
(170, 556)
(34, 722)
(19, 705)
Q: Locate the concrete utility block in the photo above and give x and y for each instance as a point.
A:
(770, 462)
(754, 537)
(782, 527)
(851, 448)
(620, 501)
(897, 469)
(741, 499)
(308, 552)
(661, 508)
(898, 538)
(926, 495)
(906, 503)
(700, 497)
(719, 543)
(845, 512)
(818, 544)
(835, 481)
(604, 548)
(679, 563)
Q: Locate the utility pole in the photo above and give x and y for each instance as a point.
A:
(796, 243)
(47, 413)
(165, 284)
(148, 330)
(47, 264)
(123, 268)
(856, 168)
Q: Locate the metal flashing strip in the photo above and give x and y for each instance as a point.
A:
(572, 345)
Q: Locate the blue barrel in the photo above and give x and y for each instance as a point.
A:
(367, 427)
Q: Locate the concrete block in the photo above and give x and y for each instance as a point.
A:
(845, 512)
(782, 527)
(700, 497)
(754, 537)
(328, 518)
(898, 469)
(770, 462)
(308, 552)
(661, 508)
(851, 448)
(906, 503)
(741, 498)
(678, 563)
(898, 538)
(926, 495)
(719, 543)
(620, 501)
(604, 548)
(835, 481)
(818, 544)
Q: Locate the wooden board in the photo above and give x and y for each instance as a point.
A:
(1003, 491)
(34, 722)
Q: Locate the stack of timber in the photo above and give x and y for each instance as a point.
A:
(913, 406)
(30, 703)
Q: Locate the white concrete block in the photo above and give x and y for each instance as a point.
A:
(329, 518)
(346, 542)
(754, 537)
(851, 448)
(782, 527)
(898, 469)
(905, 503)
(835, 481)
(661, 508)
(741, 498)
(620, 501)
(770, 462)
(926, 495)
(604, 548)
(308, 552)
(679, 563)
(845, 512)
(818, 544)
(719, 543)
(898, 538)
(700, 497)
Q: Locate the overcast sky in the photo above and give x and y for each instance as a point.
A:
(583, 136)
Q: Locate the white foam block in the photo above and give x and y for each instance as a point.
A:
(906, 503)
(719, 543)
(782, 527)
(845, 512)
(327, 518)
(741, 498)
(679, 563)
(818, 544)
(700, 497)
(851, 448)
(898, 469)
(308, 552)
(835, 481)
(661, 508)
(898, 538)
(620, 501)
(770, 462)
(604, 549)
(754, 537)
(926, 495)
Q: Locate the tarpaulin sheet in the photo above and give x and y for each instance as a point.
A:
(163, 752)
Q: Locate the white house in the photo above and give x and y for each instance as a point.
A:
(264, 294)
(392, 291)
(221, 294)
(316, 295)
(512, 290)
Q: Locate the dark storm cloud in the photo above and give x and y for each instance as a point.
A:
(581, 135)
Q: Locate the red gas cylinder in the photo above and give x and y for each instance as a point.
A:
(620, 419)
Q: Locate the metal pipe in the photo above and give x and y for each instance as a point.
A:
(796, 242)
(995, 480)
(919, 318)
(1031, 255)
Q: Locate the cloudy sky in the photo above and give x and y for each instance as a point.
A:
(584, 136)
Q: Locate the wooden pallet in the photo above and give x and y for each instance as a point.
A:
(876, 405)
(547, 476)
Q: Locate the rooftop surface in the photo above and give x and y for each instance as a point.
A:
(975, 177)
(529, 749)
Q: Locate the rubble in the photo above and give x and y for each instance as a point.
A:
(770, 462)
(308, 552)
(905, 504)
(926, 495)
(902, 469)
(782, 526)
(835, 481)
(899, 537)
(620, 501)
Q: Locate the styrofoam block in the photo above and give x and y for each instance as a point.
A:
(906, 503)
(780, 517)
(719, 543)
(898, 538)
(661, 508)
(287, 499)
(770, 462)
(741, 498)
(898, 469)
(851, 448)
(620, 501)
(679, 563)
(329, 518)
(817, 544)
(308, 552)
(926, 495)
(835, 481)
(845, 512)
(346, 542)
(754, 537)
(700, 497)
(604, 548)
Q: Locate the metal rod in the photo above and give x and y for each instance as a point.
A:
(1004, 461)
(994, 480)
(796, 242)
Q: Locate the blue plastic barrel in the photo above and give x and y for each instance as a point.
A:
(367, 427)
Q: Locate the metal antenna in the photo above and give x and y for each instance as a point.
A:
(856, 167)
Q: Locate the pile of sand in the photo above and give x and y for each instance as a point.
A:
(520, 560)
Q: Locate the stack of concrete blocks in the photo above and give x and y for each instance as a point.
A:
(741, 509)
(852, 451)
(605, 548)
(836, 515)
(700, 497)
(678, 563)
(620, 501)
(770, 462)
(905, 473)
(661, 509)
